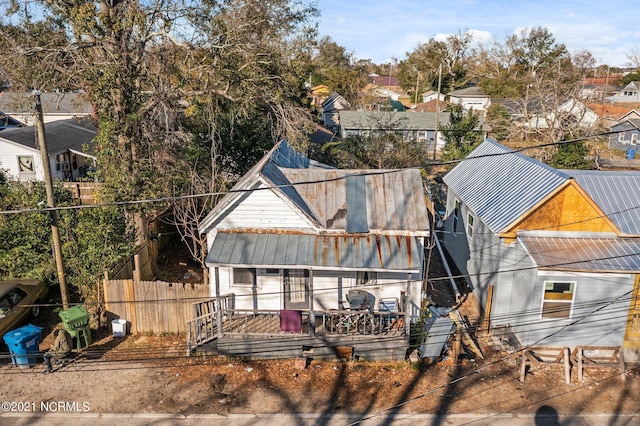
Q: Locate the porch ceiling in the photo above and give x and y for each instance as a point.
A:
(372, 252)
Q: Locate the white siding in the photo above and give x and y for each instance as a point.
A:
(9, 153)
(328, 288)
(263, 209)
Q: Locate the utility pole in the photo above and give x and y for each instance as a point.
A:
(435, 137)
(51, 201)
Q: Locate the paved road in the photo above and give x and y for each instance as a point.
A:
(64, 419)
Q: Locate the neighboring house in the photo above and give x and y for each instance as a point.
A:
(420, 126)
(318, 94)
(294, 237)
(471, 98)
(331, 108)
(539, 114)
(66, 142)
(432, 95)
(629, 93)
(611, 114)
(625, 134)
(55, 106)
(550, 255)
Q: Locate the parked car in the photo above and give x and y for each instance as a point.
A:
(19, 301)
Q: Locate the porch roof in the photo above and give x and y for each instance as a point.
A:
(605, 253)
(401, 253)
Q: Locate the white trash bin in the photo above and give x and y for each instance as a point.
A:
(119, 327)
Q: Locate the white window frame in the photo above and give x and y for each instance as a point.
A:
(558, 300)
(634, 138)
(470, 220)
(27, 166)
(621, 136)
(235, 283)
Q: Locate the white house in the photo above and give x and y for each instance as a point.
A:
(66, 140)
(297, 236)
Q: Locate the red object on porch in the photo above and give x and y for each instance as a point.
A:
(291, 321)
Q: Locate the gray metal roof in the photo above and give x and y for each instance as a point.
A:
(500, 185)
(604, 254)
(346, 252)
(61, 135)
(616, 193)
(395, 199)
(367, 120)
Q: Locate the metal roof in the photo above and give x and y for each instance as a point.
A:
(601, 254)
(616, 193)
(289, 250)
(500, 185)
(395, 199)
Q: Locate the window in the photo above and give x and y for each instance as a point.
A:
(558, 299)
(244, 277)
(272, 271)
(295, 285)
(25, 163)
(470, 226)
(634, 138)
(620, 136)
(60, 164)
(456, 210)
(366, 278)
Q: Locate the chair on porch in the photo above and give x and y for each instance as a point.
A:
(389, 305)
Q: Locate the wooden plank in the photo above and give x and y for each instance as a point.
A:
(129, 302)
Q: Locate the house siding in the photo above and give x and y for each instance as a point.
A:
(597, 318)
(329, 287)
(263, 210)
(9, 153)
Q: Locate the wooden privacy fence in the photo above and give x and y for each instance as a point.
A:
(138, 267)
(83, 191)
(152, 306)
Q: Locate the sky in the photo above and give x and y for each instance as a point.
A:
(386, 30)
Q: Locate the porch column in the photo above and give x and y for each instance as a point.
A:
(312, 315)
(407, 318)
(216, 277)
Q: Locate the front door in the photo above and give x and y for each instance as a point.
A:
(296, 289)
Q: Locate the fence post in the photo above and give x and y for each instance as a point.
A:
(567, 366)
(188, 338)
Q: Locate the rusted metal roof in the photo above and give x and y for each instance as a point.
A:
(578, 252)
(291, 250)
(395, 199)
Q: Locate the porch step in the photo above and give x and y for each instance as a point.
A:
(369, 348)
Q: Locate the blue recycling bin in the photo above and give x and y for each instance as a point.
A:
(24, 345)
(631, 153)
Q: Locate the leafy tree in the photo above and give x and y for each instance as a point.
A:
(628, 78)
(500, 122)
(461, 133)
(572, 156)
(94, 239)
(420, 68)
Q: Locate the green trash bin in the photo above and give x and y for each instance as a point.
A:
(76, 322)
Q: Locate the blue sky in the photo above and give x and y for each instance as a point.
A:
(382, 30)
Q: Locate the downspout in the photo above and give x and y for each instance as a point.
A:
(312, 315)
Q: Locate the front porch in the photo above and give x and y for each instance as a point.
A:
(218, 328)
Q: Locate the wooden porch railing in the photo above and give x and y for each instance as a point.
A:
(204, 327)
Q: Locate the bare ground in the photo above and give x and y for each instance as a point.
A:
(151, 374)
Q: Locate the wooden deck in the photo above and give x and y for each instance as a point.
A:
(323, 335)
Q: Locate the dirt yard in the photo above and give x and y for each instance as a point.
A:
(150, 374)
